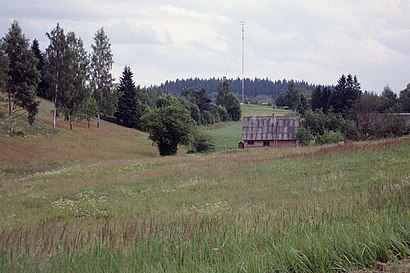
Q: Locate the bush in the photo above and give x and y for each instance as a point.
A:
(330, 136)
(207, 118)
(304, 136)
(201, 144)
(391, 126)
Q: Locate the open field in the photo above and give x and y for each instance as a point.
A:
(102, 200)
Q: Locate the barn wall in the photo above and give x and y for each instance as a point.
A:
(279, 143)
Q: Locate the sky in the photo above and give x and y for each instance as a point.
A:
(312, 40)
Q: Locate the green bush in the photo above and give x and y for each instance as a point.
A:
(304, 136)
(201, 144)
(330, 136)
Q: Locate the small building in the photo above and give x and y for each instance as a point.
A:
(270, 131)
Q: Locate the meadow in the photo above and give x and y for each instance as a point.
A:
(102, 200)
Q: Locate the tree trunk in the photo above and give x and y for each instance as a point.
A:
(9, 94)
(98, 120)
(55, 102)
(88, 119)
(71, 121)
(12, 122)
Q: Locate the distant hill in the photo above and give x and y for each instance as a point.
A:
(253, 87)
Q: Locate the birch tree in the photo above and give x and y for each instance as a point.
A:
(56, 66)
(101, 78)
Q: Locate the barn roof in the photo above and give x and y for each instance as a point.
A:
(270, 128)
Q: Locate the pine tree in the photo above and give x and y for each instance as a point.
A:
(128, 114)
(101, 78)
(22, 73)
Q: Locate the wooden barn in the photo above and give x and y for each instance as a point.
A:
(269, 131)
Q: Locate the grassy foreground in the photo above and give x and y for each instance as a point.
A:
(101, 200)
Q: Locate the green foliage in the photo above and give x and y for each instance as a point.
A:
(4, 67)
(128, 110)
(201, 143)
(391, 126)
(229, 101)
(325, 128)
(165, 101)
(66, 72)
(321, 98)
(294, 98)
(388, 101)
(169, 127)
(304, 136)
(405, 99)
(223, 114)
(42, 85)
(89, 109)
(22, 74)
(207, 118)
(203, 111)
(329, 136)
(101, 78)
(346, 92)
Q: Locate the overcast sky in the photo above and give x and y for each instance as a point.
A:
(312, 40)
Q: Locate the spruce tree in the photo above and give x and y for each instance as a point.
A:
(347, 91)
(42, 86)
(22, 75)
(128, 114)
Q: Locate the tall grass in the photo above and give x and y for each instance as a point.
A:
(330, 209)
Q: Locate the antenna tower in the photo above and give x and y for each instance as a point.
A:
(243, 61)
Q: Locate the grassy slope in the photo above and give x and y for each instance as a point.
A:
(104, 194)
(44, 148)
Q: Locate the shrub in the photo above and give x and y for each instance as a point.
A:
(201, 144)
(304, 136)
(330, 136)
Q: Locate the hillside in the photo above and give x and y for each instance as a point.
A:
(44, 147)
(102, 200)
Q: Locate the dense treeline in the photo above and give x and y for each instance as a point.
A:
(253, 87)
(344, 112)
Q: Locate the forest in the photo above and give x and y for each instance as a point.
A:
(254, 88)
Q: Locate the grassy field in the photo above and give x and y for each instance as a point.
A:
(102, 200)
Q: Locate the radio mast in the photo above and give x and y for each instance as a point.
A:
(243, 61)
